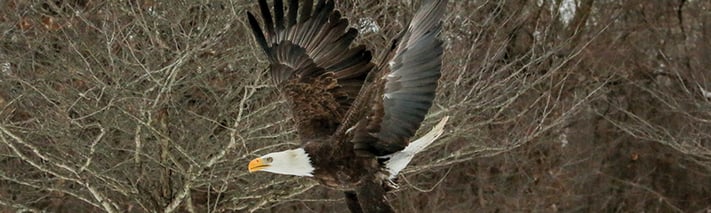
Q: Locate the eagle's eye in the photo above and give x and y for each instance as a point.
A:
(268, 159)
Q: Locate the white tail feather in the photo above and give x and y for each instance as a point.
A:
(399, 160)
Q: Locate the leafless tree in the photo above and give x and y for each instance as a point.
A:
(556, 105)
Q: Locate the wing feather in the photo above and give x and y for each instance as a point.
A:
(258, 34)
(312, 61)
(306, 14)
(293, 11)
(279, 15)
(403, 97)
(267, 17)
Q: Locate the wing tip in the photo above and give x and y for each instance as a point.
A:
(441, 123)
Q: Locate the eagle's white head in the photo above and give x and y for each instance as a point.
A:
(290, 162)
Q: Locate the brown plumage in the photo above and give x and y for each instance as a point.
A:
(313, 63)
(349, 112)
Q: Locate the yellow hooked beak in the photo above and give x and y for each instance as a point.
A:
(257, 164)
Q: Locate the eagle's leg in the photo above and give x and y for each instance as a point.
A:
(371, 196)
(352, 202)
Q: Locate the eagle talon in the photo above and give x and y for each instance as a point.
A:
(355, 118)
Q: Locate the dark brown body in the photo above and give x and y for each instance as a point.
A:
(337, 166)
(361, 178)
(348, 109)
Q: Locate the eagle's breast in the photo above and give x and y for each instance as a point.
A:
(338, 167)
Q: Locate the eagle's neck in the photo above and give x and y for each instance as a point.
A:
(300, 164)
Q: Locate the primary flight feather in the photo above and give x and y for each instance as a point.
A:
(354, 118)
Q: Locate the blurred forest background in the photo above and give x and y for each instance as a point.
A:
(157, 106)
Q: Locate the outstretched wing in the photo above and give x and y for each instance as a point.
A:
(312, 62)
(407, 86)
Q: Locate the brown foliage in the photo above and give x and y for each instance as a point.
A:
(139, 106)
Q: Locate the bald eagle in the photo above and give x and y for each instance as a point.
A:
(354, 117)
